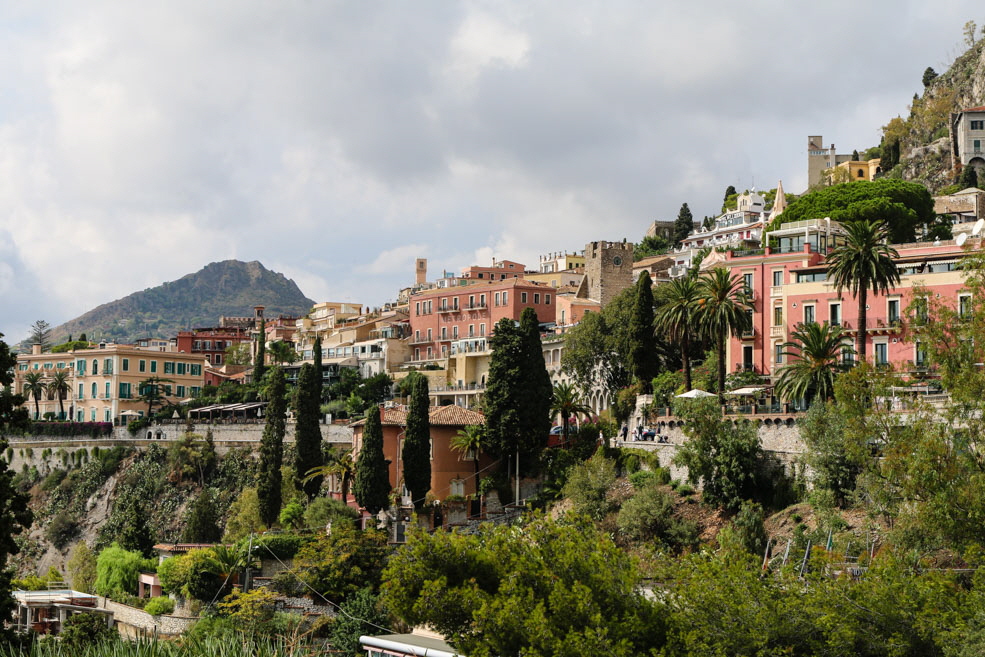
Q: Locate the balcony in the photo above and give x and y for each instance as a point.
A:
(422, 340)
(749, 334)
(777, 331)
(776, 290)
(746, 367)
(476, 306)
(448, 309)
(876, 325)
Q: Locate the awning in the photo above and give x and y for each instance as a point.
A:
(748, 390)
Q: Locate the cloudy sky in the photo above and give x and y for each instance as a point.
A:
(337, 141)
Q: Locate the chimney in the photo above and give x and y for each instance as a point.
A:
(36, 349)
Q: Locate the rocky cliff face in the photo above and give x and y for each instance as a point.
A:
(924, 134)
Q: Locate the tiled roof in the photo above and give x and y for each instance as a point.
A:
(442, 416)
(975, 109)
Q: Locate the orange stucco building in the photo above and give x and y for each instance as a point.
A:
(451, 473)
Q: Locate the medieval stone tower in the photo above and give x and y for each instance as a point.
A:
(608, 269)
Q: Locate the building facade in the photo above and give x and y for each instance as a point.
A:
(608, 269)
(104, 381)
(968, 143)
(211, 342)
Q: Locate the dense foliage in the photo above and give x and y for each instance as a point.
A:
(416, 452)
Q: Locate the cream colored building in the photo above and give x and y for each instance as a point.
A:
(104, 380)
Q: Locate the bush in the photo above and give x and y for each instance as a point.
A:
(647, 515)
(323, 510)
(642, 479)
(280, 546)
(588, 485)
(662, 475)
(133, 426)
(631, 464)
(292, 515)
(54, 478)
(159, 605)
(86, 629)
(62, 529)
(748, 527)
(65, 429)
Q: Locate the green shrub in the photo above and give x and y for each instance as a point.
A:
(631, 464)
(748, 527)
(662, 475)
(292, 515)
(588, 485)
(133, 426)
(281, 546)
(323, 510)
(62, 529)
(642, 479)
(159, 605)
(83, 630)
(54, 478)
(117, 570)
(685, 490)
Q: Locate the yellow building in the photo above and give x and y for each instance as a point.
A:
(855, 170)
(104, 380)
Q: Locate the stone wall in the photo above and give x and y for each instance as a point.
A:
(134, 623)
(29, 450)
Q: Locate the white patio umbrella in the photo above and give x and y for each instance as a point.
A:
(695, 394)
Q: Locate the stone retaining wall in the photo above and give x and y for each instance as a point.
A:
(133, 622)
(227, 437)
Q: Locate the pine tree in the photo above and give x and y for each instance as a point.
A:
(272, 448)
(259, 365)
(684, 225)
(643, 344)
(519, 394)
(202, 524)
(729, 191)
(416, 454)
(41, 334)
(372, 484)
(307, 435)
(15, 516)
(929, 75)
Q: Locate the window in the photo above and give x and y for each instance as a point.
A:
(471, 330)
(196, 370)
(920, 310)
(482, 300)
(496, 298)
(778, 316)
(95, 366)
(537, 297)
(882, 353)
(430, 353)
(977, 145)
(454, 332)
(778, 353)
(430, 337)
(778, 277)
(80, 415)
(142, 366)
(417, 354)
(126, 365)
(80, 367)
(417, 336)
(218, 359)
(547, 299)
(95, 391)
(92, 414)
(523, 297)
(167, 390)
(834, 312)
(430, 306)
(124, 391)
(920, 355)
(182, 367)
(82, 391)
(482, 329)
(153, 366)
(417, 308)
(808, 314)
(444, 332)
(978, 125)
(506, 298)
(457, 486)
(169, 367)
(196, 391)
(747, 281)
(472, 301)
(893, 311)
(180, 390)
(108, 366)
(964, 306)
(847, 353)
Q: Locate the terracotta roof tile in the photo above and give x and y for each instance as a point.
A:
(446, 416)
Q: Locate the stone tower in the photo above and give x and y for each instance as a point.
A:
(421, 271)
(608, 269)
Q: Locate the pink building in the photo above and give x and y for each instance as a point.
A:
(789, 285)
(441, 317)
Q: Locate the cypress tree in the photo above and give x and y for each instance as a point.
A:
(135, 535)
(202, 525)
(272, 448)
(642, 342)
(969, 177)
(518, 396)
(319, 369)
(372, 484)
(307, 435)
(416, 454)
(683, 225)
(259, 365)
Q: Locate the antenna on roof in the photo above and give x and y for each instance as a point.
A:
(979, 225)
(961, 239)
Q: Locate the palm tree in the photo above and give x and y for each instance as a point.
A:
(675, 319)
(59, 387)
(567, 403)
(468, 441)
(339, 465)
(815, 361)
(34, 386)
(282, 352)
(152, 391)
(723, 309)
(864, 262)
